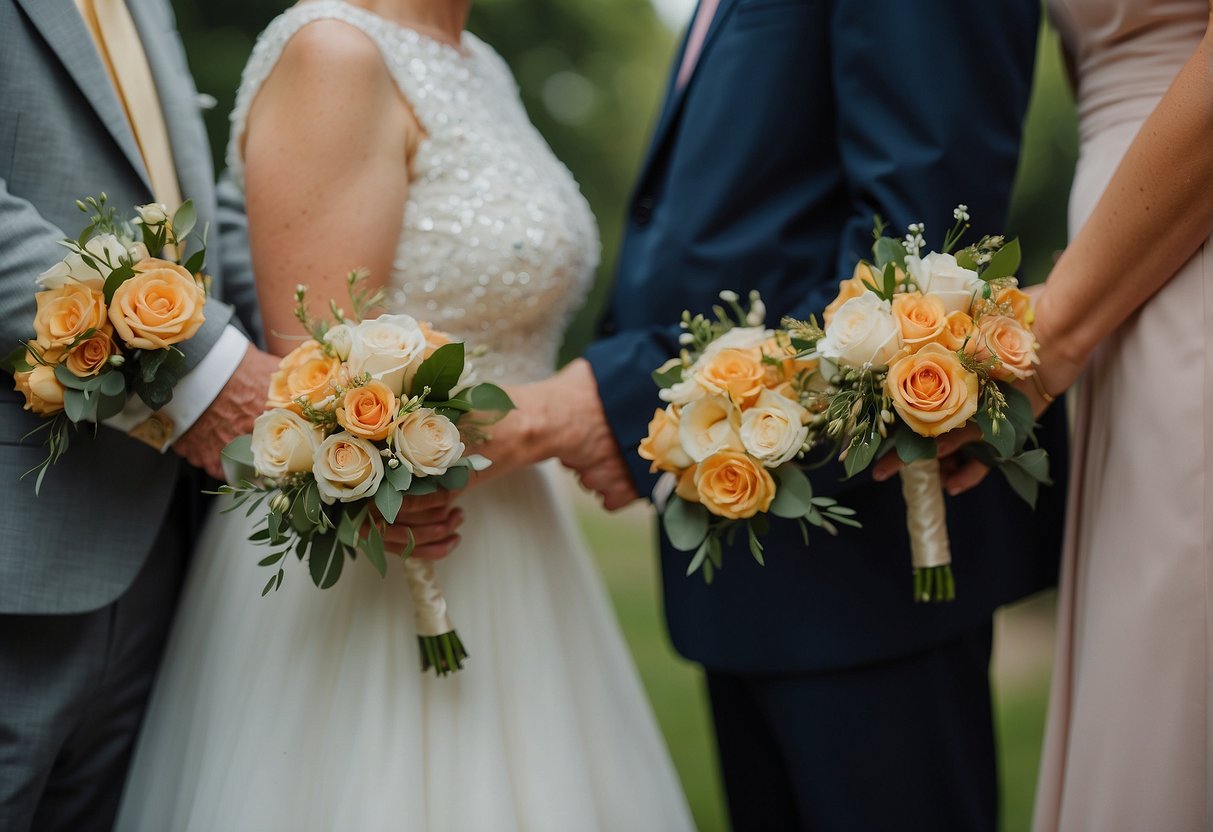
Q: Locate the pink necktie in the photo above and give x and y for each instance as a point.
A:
(699, 31)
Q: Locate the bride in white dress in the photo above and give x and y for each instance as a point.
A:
(306, 710)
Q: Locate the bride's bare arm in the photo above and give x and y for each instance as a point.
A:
(326, 152)
(1154, 214)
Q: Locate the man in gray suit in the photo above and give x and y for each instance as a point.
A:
(89, 571)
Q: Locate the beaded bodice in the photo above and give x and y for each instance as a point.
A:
(498, 246)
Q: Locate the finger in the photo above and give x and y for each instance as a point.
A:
(952, 441)
(438, 499)
(886, 466)
(617, 499)
(966, 476)
(426, 533)
(409, 517)
(437, 550)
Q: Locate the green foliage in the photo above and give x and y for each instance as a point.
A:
(439, 373)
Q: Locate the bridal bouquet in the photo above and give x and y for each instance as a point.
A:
(364, 413)
(915, 346)
(741, 400)
(109, 318)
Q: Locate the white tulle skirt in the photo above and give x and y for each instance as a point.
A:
(306, 710)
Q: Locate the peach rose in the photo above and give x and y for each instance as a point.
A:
(43, 392)
(66, 313)
(1007, 340)
(1019, 302)
(781, 349)
(368, 411)
(686, 485)
(734, 486)
(301, 354)
(91, 355)
(308, 378)
(921, 318)
(160, 306)
(737, 374)
(958, 327)
(433, 339)
(932, 391)
(662, 446)
(852, 287)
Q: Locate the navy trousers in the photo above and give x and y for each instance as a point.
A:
(904, 745)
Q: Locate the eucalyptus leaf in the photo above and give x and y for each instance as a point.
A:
(400, 477)
(312, 508)
(755, 545)
(862, 452)
(388, 500)
(15, 361)
(1020, 481)
(109, 406)
(1019, 411)
(326, 557)
(422, 486)
(77, 405)
(794, 494)
(347, 530)
(455, 479)
(686, 524)
(239, 451)
(999, 435)
(1035, 464)
(886, 250)
(911, 446)
(697, 561)
(69, 379)
(112, 383)
(373, 549)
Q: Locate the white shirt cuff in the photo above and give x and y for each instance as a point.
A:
(193, 393)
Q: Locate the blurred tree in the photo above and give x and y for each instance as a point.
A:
(590, 74)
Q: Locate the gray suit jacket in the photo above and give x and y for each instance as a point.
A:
(64, 135)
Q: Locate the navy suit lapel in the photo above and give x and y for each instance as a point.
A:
(675, 96)
(67, 35)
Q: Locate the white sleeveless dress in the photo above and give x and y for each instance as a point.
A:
(306, 710)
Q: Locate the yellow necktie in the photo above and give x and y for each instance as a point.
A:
(121, 51)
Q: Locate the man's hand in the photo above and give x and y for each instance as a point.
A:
(231, 414)
(562, 417)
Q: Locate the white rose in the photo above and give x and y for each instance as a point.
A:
(709, 425)
(152, 214)
(862, 332)
(341, 337)
(284, 443)
(739, 338)
(683, 392)
(347, 468)
(106, 251)
(940, 275)
(773, 431)
(427, 442)
(390, 348)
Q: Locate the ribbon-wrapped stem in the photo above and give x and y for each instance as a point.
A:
(440, 646)
(926, 520)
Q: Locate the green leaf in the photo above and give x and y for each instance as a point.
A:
(312, 508)
(184, 220)
(326, 557)
(1036, 464)
(455, 479)
(886, 250)
(999, 435)
(15, 361)
(964, 259)
(1020, 481)
(110, 406)
(755, 545)
(440, 372)
(112, 383)
(373, 549)
(270, 560)
(890, 281)
(388, 500)
(489, 397)
(68, 379)
(1019, 411)
(77, 405)
(862, 452)
(668, 378)
(911, 446)
(697, 561)
(400, 477)
(794, 494)
(117, 277)
(422, 486)
(347, 529)
(239, 451)
(686, 524)
(1004, 263)
(196, 261)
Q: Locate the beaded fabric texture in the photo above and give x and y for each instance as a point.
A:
(498, 246)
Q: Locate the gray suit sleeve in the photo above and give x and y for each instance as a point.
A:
(236, 261)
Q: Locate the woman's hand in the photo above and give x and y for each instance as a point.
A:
(432, 520)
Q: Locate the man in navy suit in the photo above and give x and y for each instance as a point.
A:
(839, 703)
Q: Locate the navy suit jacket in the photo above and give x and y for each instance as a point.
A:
(803, 119)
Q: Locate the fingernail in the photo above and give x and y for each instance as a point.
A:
(879, 476)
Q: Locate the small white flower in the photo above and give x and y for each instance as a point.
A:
(757, 314)
(961, 212)
(686, 339)
(728, 296)
(152, 214)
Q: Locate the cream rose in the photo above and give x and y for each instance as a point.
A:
(160, 306)
(389, 348)
(153, 214)
(940, 275)
(347, 468)
(91, 355)
(734, 486)
(284, 443)
(105, 250)
(66, 313)
(932, 391)
(685, 391)
(862, 333)
(739, 338)
(662, 446)
(920, 318)
(427, 442)
(709, 425)
(1007, 340)
(340, 338)
(774, 430)
(368, 411)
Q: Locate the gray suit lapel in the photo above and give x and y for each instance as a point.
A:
(65, 32)
(178, 98)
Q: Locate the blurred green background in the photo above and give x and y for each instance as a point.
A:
(591, 73)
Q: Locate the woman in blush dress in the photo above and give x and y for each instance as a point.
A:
(380, 134)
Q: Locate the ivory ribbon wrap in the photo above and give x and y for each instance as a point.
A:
(925, 515)
(431, 617)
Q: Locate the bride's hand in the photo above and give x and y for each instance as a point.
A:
(433, 521)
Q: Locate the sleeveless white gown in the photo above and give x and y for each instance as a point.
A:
(306, 710)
